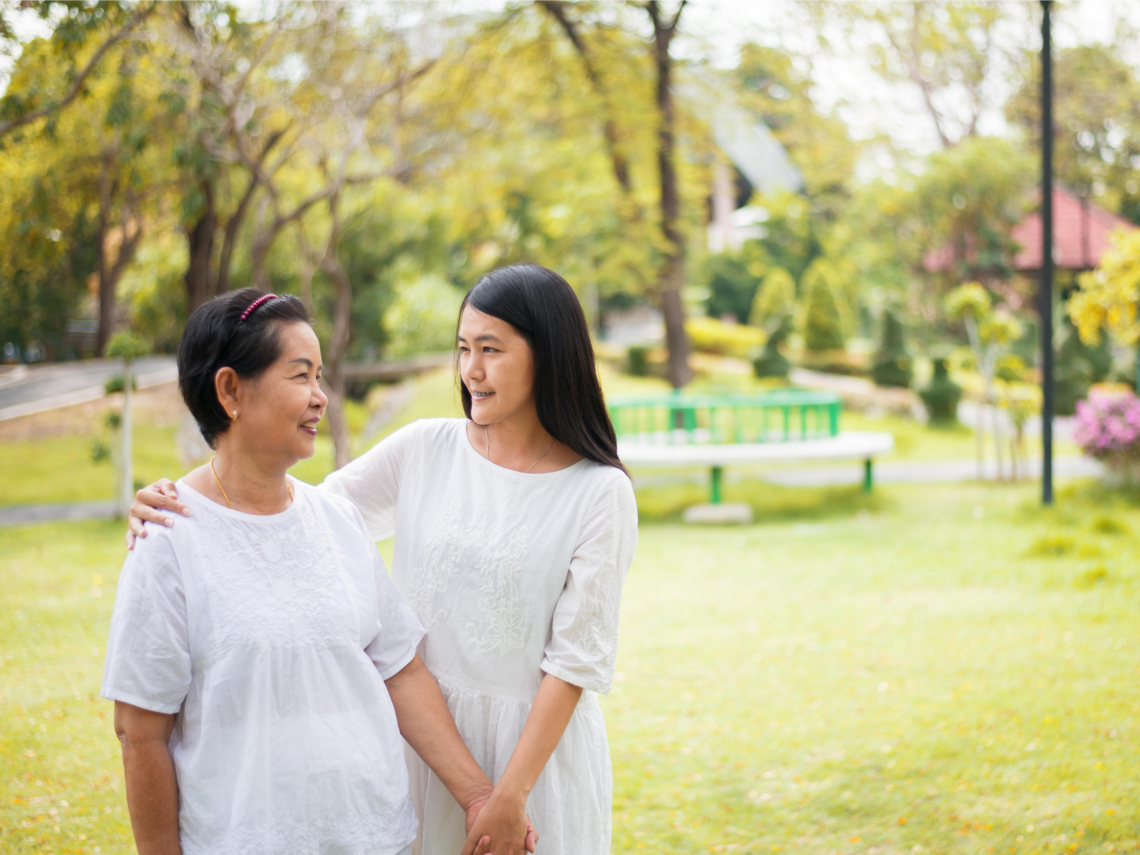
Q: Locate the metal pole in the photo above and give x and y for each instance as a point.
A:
(1046, 296)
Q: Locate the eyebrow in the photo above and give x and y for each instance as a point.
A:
(485, 337)
(308, 362)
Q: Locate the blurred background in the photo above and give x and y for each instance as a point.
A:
(748, 198)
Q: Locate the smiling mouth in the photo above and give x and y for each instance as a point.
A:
(481, 395)
(310, 428)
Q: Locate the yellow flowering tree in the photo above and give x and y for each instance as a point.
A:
(1108, 297)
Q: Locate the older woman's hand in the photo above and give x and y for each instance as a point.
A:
(161, 495)
(503, 820)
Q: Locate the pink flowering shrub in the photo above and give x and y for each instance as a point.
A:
(1108, 425)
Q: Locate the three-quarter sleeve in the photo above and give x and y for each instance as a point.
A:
(148, 652)
(400, 630)
(372, 481)
(582, 648)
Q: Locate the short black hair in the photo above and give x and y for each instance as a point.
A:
(216, 337)
(544, 309)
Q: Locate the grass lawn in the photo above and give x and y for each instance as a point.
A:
(948, 669)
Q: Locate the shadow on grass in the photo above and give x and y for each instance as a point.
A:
(770, 502)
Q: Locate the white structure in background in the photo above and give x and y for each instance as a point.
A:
(746, 144)
(640, 325)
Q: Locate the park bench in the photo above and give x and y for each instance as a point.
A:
(716, 431)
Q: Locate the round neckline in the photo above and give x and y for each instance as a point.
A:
(242, 515)
(495, 466)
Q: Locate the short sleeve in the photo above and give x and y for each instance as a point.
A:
(583, 644)
(148, 652)
(400, 630)
(372, 481)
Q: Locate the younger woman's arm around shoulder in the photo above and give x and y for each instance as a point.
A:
(152, 789)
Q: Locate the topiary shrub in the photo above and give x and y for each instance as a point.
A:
(775, 300)
(823, 318)
(637, 360)
(893, 365)
(773, 363)
(942, 395)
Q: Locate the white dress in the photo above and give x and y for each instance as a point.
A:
(514, 576)
(271, 638)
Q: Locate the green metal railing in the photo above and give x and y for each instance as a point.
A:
(786, 416)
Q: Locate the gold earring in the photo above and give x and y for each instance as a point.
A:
(235, 415)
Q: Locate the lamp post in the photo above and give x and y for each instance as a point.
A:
(1046, 295)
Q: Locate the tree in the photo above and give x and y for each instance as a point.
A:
(824, 324)
(127, 346)
(893, 365)
(82, 33)
(990, 333)
(1109, 297)
(775, 300)
(948, 52)
(1096, 122)
(670, 275)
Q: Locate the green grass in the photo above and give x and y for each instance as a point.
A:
(948, 668)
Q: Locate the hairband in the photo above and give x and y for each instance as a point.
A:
(252, 306)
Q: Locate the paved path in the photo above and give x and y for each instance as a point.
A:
(27, 514)
(27, 389)
(886, 472)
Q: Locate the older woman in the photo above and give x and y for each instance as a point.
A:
(514, 530)
(263, 666)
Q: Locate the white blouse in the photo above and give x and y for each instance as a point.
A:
(514, 576)
(271, 638)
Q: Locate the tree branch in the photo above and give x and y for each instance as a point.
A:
(81, 78)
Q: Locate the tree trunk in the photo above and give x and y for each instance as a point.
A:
(338, 343)
(671, 273)
(106, 286)
(199, 282)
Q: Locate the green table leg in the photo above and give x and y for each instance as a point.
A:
(868, 479)
(714, 485)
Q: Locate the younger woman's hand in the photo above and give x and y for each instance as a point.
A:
(500, 826)
(483, 846)
(162, 494)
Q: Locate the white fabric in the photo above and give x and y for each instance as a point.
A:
(271, 638)
(513, 575)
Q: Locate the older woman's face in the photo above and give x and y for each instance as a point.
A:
(496, 365)
(278, 411)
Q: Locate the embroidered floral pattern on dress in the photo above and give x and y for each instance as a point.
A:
(494, 557)
(289, 592)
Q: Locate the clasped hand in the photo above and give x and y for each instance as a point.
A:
(497, 824)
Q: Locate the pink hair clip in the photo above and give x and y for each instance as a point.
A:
(255, 304)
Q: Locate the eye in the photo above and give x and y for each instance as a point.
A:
(490, 350)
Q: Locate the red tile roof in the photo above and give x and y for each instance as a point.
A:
(1080, 236)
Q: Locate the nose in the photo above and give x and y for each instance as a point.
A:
(473, 367)
(319, 400)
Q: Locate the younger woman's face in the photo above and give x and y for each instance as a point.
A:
(278, 411)
(496, 365)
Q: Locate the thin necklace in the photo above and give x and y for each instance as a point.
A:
(487, 434)
(223, 489)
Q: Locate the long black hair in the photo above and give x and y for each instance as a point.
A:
(542, 306)
(224, 332)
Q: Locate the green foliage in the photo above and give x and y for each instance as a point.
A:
(1078, 366)
(941, 396)
(824, 323)
(637, 360)
(893, 365)
(772, 362)
(1096, 126)
(127, 345)
(422, 318)
(775, 300)
(732, 282)
(708, 335)
(115, 384)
